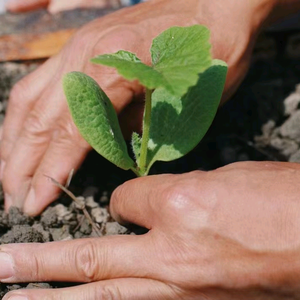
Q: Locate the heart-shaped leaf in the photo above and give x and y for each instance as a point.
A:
(178, 124)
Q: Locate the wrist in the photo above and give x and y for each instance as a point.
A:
(261, 11)
(248, 16)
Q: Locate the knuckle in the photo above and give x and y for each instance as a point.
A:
(110, 292)
(34, 125)
(36, 268)
(86, 261)
(176, 199)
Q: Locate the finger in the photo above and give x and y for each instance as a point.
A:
(85, 260)
(114, 289)
(136, 201)
(31, 146)
(22, 99)
(65, 152)
(22, 6)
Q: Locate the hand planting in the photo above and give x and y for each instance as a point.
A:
(183, 89)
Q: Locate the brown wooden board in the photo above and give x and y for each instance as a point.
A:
(33, 46)
(39, 34)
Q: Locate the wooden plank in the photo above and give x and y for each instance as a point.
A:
(41, 21)
(37, 35)
(33, 46)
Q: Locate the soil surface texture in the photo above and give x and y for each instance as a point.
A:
(261, 122)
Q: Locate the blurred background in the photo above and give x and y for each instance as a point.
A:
(2, 6)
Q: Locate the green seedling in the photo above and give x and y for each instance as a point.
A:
(183, 88)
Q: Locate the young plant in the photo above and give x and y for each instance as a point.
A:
(183, 90)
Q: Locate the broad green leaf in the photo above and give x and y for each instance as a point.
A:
(179, 55)
(136, 143)
(131, 67)
(178, 124)
(96, 119)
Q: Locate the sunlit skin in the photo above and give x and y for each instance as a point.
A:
(232, 233)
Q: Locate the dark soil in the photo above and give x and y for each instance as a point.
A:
(261, 122)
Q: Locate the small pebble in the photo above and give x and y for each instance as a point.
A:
(100, 215)
(114, 228)
(90, 202)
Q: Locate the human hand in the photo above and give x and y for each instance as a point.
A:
(39, 136)
(53, 6)
(228, 234)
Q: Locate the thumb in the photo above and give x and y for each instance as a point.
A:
(28, 5)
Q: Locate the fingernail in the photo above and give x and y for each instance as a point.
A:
(30, 201)
(7, 266)
(8, 201)
(15, 297)
(2, 169)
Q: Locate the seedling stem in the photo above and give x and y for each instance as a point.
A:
(146, 131)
